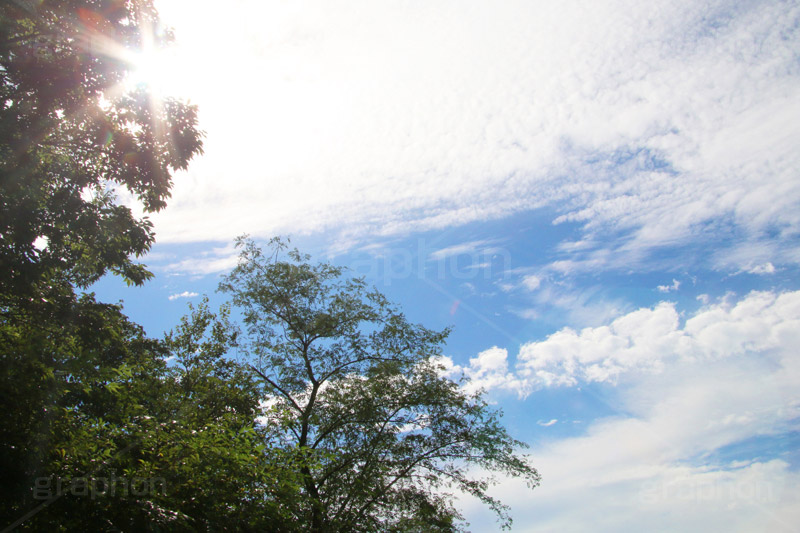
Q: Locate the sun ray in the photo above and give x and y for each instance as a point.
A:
(143, 67)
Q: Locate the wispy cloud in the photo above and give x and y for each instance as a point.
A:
(669, 288)
(581, 305)
(604, 110)
(184, 294)
(474, 248)
(531, 282)
(766, 268)
(649, 462)
(213, 261)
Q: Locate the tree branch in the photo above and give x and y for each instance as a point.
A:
(277, 387)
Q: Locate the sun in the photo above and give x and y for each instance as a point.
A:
(159, 70)
(159, 65)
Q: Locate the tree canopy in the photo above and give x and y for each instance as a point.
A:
(355, 389)
(72, 136)
(76, 376)
(100, 432)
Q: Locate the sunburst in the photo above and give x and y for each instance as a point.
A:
(161, 70)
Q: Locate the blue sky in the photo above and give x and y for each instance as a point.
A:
(601, 197)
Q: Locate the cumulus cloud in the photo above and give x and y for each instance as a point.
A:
(656, 123)
(644, 341)
(486, 371)
(697, 444)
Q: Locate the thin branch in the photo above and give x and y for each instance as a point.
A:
(402, 475)
(277, 387)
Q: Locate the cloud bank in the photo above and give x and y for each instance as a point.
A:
(762, 325)
(656, 123)
(706, 432)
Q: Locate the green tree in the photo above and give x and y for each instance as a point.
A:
(129, 442)
(355, 390)
(71, 136)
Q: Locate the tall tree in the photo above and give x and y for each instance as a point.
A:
(356, 391)
(71, 136)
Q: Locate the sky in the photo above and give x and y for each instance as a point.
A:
(601, 197)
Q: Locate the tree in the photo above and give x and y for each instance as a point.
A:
(53, 382)
(185, 433)
(355, 391)
(71, 136)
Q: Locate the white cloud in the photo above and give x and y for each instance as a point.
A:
(449, 369)
(582, 306)
(640, 494)
(184, 294)
(488, 370)
(655, 123)
(730, 379)
(492, 360)
(766, 268)
(547, 424)
(660, 460)
(644, 341)
(527, 314)
(473, 248)
(219, 259)
(531, 282)
(669, 288)
(201, 266)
